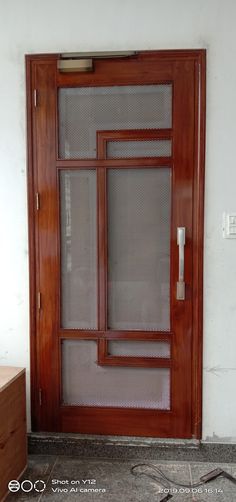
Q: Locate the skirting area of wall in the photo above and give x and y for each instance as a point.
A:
(130, 448)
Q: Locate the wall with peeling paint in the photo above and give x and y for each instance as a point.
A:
(29, 26)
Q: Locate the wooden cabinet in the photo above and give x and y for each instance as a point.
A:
(13, 446)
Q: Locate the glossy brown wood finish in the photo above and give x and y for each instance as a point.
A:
(47, 274)
(142, 362)
(186, 70)
(181, 311)
(102, 246)
(130, 71)
(121, 421)
(105, 359)
(126, 335)
(127, 135)
(109, 163)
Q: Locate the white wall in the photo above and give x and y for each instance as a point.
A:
(32, 26)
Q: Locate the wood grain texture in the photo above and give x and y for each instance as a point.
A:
(111, 334)
(13, 443)
(109, 163)
(182, 216)
(46, 244)
(102, 248)
(130, 71)
(118, 421)
(8, 374)
(130, 135)
(105, 359)
(186, 71)
(136, 362)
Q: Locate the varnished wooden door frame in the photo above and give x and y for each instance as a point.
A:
(198, 57)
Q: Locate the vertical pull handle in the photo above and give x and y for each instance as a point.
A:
(180, 290)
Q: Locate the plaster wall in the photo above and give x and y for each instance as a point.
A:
(29, 26)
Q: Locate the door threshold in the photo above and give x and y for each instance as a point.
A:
(133, 448)
(113, 440)
(119, 447)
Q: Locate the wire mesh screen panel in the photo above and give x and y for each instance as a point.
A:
(140, 148)
(139, 215)
(138, 348)
(78, 249)
(84, 383)
(85, 110)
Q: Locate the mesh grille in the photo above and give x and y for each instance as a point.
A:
(139, 249)
(138, 349)
(78, 249)
(129, 149)
(87, 384)
(85, 110)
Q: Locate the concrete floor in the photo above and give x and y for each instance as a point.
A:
(111, 481)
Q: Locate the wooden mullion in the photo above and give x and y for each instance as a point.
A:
(135, 134)
(114, 335)
(138, 362)
(137, 162)
(75, 334)
(102, 350)
(102, 259)
(102, 250)
(101, 146)
(138, 335)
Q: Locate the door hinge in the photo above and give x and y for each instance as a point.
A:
(37, 201)
(39, 300)
(35, 94)
(40, 397)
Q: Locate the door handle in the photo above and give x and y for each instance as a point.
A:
(180, 289)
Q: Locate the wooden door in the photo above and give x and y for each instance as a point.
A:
(116, 158)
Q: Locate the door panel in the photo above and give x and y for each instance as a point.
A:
(139, 219)
(85, 110)
(112, 346)
(78, 217)
(138, 349)
(128, 149)
(85, 383)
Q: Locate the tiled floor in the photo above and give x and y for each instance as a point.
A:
(91, 480)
